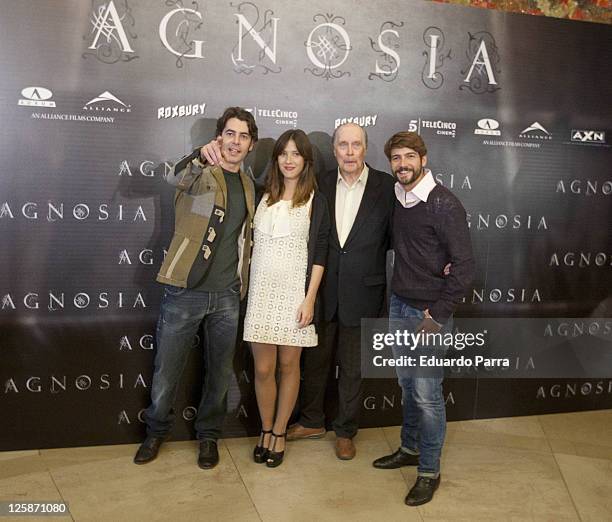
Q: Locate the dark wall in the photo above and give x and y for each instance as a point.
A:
(96, 98)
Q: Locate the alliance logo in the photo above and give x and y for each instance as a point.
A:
(41, 97)
(535, 131)
(588, 136)
(36, 97)
(488, 127)
(180, 111)
(107, 102)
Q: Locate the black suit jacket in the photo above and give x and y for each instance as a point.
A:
(354, 283)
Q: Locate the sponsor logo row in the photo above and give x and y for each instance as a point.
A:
(534, 134)
(106, 106)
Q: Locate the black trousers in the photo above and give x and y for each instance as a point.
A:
(340, 344)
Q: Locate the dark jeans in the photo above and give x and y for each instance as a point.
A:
(343, 342)
(424, 411)
(181, 313)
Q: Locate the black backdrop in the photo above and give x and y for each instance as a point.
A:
(97, 98)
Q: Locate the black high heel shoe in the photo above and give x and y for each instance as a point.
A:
(260, 454)
(275, 458)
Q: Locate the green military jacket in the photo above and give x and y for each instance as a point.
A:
(199, 204)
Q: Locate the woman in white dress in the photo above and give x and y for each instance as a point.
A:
(289, 252)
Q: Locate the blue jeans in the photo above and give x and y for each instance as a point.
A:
(424, 411)
(181, 313)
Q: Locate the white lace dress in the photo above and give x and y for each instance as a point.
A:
(278, 275)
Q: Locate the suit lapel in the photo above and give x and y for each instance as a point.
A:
(368, 202)
(249, 193)
(328, 188)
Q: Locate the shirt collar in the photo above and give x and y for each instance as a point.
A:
(425, 186)
(419, 193)
(363, 177)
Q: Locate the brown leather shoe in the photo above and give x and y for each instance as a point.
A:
(297, 431)
(345, 449)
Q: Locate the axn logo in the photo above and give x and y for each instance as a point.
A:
(588, 136)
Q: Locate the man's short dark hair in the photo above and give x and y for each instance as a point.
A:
(241, 114)
(405, 139)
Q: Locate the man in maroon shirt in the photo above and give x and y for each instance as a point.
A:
(429, 231)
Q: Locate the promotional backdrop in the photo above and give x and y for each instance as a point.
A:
(97, 99)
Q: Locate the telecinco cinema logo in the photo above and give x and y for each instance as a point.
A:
(280, 116)
(36, 97)
(440, 127)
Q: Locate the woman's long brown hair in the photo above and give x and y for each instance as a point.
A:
(275, 182)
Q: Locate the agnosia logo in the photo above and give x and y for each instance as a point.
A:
(63, 383)
(506, 221)
(58, 211)
(59, 301)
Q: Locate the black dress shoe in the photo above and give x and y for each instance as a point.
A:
(148, 449)
(209, 455)
(396, 460)
(422, 491)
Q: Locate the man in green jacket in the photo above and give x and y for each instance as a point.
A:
(205, 275)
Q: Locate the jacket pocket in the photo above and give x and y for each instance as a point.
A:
(203, 204)
(374, 280)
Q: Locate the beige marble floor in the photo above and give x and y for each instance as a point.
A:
(552, 467)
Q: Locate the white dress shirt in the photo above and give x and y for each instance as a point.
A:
(348, 199)
(418, 193)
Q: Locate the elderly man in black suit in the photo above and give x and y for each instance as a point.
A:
(361, 203)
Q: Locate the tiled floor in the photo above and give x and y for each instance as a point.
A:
(552, 467)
